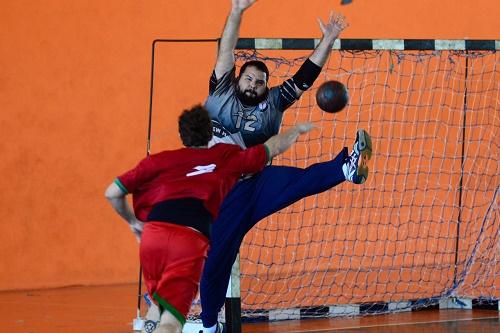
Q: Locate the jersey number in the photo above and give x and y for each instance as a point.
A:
(202, 169)
(248, 123)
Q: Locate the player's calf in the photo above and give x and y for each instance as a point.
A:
(168, 324)
(152, 316)
(356, 166)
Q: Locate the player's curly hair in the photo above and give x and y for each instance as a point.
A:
(195, 126)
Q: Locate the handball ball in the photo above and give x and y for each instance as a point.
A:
(332, 96)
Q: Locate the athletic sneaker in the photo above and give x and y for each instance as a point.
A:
(221, 328)
(152, 316)
(355, 168)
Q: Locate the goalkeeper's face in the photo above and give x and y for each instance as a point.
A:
(252, 86)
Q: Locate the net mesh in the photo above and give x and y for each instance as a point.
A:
(424, 226)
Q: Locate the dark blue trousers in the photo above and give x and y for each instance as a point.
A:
(251, 200)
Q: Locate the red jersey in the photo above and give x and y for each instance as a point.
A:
(205, 174)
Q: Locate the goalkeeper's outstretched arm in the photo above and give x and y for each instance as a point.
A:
(310, 69)
(229, 38)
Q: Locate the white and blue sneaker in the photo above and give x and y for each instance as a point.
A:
(219, 328)
(356, 166)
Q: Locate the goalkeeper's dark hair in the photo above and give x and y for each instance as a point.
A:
(261, 66)
(195, 126)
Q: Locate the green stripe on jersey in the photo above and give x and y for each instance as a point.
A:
(120, 185)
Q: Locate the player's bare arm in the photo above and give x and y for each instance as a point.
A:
(116, 198)
(229, 38)
(281, 142)
(331, 30)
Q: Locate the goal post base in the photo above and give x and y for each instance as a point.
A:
(456, 303)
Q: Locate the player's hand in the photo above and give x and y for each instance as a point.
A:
(335, 25)
(136, 226)
(241, 5)
(304, 127)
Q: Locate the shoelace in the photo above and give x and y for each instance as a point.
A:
(352, 162)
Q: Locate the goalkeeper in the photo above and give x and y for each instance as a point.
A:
(246, 112)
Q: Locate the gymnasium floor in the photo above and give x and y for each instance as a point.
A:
(110, 309)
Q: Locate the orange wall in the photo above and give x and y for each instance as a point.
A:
(74, 89)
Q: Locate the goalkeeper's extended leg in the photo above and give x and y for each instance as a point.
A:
(279, 187)
(250, 201)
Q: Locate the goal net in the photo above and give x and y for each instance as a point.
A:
(425, 225)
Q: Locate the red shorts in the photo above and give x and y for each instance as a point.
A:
(172, 259)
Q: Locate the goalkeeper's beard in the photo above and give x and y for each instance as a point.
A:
(249, 97)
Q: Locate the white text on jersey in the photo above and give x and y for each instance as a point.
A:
(202, 169)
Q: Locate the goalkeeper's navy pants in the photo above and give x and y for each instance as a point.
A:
(251, 200)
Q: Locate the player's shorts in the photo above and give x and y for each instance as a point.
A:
(172, 259)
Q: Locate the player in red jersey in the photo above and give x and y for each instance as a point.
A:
(176, 196)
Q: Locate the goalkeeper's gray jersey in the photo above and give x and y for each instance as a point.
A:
(246, 126)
